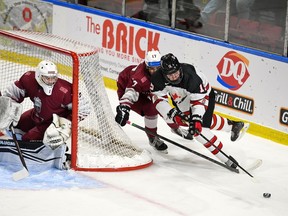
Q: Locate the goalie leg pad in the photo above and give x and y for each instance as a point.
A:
(37, 155)
(61, 163)
(18, 132)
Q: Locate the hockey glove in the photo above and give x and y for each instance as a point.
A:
(195, 125)
(122, 115)
(57, 133)
(174, 112)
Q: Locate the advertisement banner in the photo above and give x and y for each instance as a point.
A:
(32, 15)
(249, 87)
(120, 43)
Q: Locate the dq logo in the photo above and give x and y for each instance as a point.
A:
(232, 70)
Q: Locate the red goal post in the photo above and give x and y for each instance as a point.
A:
(98, 143)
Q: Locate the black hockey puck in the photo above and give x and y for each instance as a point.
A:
(266, 195)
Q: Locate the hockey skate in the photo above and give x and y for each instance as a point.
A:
(183, 133)
(232, 162)
(238, 129)
(158, 144)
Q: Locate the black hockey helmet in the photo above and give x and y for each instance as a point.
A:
(170, 65)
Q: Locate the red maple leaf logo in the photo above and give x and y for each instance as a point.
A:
(175, 96)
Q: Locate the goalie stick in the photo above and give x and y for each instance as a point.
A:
(185, 148)
(23, 173)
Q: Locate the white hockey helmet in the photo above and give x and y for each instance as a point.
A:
(153, 59)
(46, 75)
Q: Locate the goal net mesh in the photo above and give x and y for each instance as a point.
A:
(97, 142)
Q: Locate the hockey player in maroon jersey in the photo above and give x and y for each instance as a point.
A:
(134, 94)
(52, 101)
(47, 125)
(49, 119)
(49, 94)
(194, 101)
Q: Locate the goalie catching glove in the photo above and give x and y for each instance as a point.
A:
(10, 112)
(58, 132)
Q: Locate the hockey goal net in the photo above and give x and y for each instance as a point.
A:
(97, 142)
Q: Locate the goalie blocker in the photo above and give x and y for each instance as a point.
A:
(10, 112)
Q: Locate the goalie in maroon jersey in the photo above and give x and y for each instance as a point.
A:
(134, 94)
(52, 100)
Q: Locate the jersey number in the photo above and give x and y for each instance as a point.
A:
(134, 83)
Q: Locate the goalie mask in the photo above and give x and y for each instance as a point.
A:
(171, 69)
(153, 61)
(46, 75)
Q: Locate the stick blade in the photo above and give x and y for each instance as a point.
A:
(23, 173)
(257, 163)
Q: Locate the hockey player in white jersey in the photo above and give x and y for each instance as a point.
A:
(194, 101)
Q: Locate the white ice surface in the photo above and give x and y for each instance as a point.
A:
(180, 183)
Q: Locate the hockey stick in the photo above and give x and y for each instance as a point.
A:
(207, 140)
(184, 147)
(23, 173)
(245, 128)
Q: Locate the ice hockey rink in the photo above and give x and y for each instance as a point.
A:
(177, 184)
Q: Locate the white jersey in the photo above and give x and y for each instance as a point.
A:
(191, 93)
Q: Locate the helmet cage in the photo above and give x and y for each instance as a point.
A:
(49, 80)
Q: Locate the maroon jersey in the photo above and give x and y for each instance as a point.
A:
(44, 106)
(133, 81)
(40, 116)
(134, 89)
